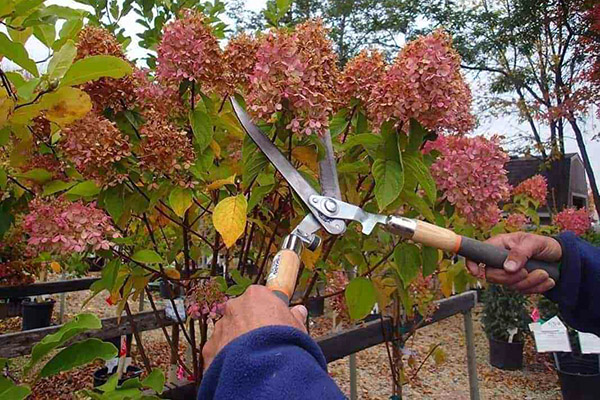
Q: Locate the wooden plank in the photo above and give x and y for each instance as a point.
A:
(20, 343)
(36, 289)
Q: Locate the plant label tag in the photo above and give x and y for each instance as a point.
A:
(554, 324)
(111, 365)
(511, 334)
(589, 343)
(170, 311)
(550, 340)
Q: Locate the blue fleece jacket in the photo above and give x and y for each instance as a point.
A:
(578, 290)
(273, 362)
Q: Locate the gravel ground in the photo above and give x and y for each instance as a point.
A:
(449, 380)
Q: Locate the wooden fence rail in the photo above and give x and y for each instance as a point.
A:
(36, 289)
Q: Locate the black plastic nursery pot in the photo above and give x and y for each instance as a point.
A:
(316, 306)
(579, 376)
(505, 355)
(169, 290)
(101, 375)
(11, 307)
(36, 314)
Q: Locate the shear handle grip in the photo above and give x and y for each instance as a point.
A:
(474, 250)
(283, 275)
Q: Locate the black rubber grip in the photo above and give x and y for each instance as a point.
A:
(494, 257)
(284, 297)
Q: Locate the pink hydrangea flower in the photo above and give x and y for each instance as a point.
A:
(360, 75)
(575, 220)
(62, 227)
(425, 83)
(153, 95)
(190, 51)
(535, 187)
(470, 173)
(295, 71)
(516, 221)
(206, 299)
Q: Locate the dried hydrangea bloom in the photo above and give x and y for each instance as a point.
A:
(205, 299)
(155, 96)
(577, 221)
(470, 173)
(240, 58)
(94, 144)
(61, 227)
(360, 75)
(189, 51)
(296, 71)
(535, 187)
(164, 149)
(117, 94)
(337, 281)
(16, 273)
(425, 83)
(516, 222)
(48, 162)
(41, 128)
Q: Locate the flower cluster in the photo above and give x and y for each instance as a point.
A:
(535, 187)
(360, 75)
(164, 149)
(153, 95)
(296, 71)
(61, 227)
(240, 58)
(425, 83)
(337, 282)
(516, 221)
(205, 299)
(470, 172)
(14, 273)
(95, 144)
(575, 220)
(47, 162)
(190, 51)
(105, 92)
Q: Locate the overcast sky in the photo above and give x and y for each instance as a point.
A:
(506, 126)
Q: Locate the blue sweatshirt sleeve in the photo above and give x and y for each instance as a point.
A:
(273, 362)
(578, 290)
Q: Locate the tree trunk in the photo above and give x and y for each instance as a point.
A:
(586, 161)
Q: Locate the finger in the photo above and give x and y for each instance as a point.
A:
(533, 279)
(300, 313)
(473, 268)
(542, 287)
(500, 276)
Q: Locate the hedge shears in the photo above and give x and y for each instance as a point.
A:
(329, 212)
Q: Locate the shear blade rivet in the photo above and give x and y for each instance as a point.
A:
(330, 206)
(315, 200)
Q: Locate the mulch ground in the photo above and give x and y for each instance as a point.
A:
(449, 380)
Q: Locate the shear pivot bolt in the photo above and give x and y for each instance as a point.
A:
(330, 206)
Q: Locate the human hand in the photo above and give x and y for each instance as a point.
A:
(256, 308)
(522, 246)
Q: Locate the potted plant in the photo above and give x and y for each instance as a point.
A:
(505, 322)
(579, 374)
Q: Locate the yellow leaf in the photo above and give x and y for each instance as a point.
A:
(309, 258)
(229, 218)
(439, 356)
(66, 105)
(6, 107)
(25, 114)
(55, 267)
(219, 183)
(172, 273)
(384, 287)
(215, 148)
(307, 155)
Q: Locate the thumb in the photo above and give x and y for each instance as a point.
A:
(515, 261)
(300, 313)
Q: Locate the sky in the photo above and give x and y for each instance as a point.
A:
(505, 126)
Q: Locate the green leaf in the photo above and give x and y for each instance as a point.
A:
(109, 277)
(62, 60)
(202, 127)
(84, 189)
(25, 91)
(56, 186)
(257, 195)
(16, 52)
(81, 323)
(3, 179)
(69, 30)
(408, 262)
(430, 260)
(37, 175)
(114, 200)
(24, 6)
(66, 13)
(416, 202)
(416, 170)
(95, 67)
(45, 33)
(79, 354)
(339, 123)
(366, 140)
(360, 297)
(283, 6)
(147, 257)
(416, 136)
(357, 167)
(255, 161)
(7, 7)
(10, 391)
(15, 78)
(180, 200)
(389, 180)
(155, 380)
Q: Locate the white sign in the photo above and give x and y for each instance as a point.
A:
(589, 343)
(551, 336)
